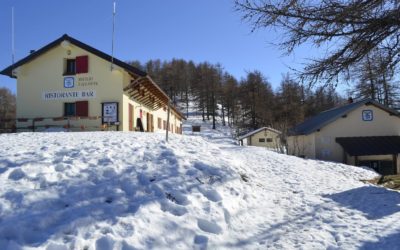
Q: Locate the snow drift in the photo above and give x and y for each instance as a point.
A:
(115, 190)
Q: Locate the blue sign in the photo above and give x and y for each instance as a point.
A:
(367, 115)
(69, 82)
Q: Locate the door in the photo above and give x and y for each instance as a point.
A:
(148, 122)
(131, 117)
(151, 123)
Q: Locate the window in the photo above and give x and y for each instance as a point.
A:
(269, 139)
(69, 109)
(70, 67)
(77, 65)
(159, 123)
(80, 108)
(261, 140)
(164, 125)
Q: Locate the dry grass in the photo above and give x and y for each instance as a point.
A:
(388, 181)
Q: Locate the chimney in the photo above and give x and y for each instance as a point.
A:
(32, 51)
(350, 100)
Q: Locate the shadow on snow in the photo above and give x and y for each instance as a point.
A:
(102, 194)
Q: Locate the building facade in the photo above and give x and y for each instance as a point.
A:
(363, 133)
(262, 137)
(71, 84)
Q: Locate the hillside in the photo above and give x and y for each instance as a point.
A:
(115, 190)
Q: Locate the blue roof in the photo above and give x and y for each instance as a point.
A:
(324, 118)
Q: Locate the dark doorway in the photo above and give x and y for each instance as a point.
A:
(382, 167)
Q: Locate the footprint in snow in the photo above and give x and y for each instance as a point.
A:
(105, 243)
(211, 195)
(173, 209)
(227, 216)
(16, 175)
(178, 198)
(201, 241)
(209, 226)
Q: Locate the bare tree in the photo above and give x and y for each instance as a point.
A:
(7, 110)
(374, 80)
(352, 29)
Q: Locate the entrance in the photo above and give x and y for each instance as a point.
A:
(382, 167)
(131, 117)
(151, 123)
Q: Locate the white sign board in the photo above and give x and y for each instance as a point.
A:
(60, 95)
(110, 112)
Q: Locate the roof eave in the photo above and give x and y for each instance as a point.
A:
(8, 71)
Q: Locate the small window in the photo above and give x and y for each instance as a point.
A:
(269, 139)
(80, 108)
(69, 109)
(77, 65)
(70, 67)
(164, 125)
(261, 140)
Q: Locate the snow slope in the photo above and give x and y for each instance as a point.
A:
(115, 190)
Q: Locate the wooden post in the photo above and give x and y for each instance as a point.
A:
(356, 160)
(169, 109)
(344, 157)
(395, 163)
(166, 135)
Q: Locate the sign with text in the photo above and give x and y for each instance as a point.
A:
(87, 81)
(60, 95)
(110, 112)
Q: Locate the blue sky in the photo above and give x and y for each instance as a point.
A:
(202, 30)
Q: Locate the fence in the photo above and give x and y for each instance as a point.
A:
(40, 124)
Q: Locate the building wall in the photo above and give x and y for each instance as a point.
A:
(174, 120)
(254, 139)
(326, 148)
(383, 124)
(302, 145)
(45, 74)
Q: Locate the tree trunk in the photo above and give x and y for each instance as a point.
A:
(213, 107)
(187, 102)
(223, 115)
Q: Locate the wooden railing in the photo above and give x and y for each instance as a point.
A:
(70, 123)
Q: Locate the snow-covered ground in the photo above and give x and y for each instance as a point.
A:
(115, 190)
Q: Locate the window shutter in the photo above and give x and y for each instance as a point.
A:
(69, 109)
(82, 108)
(82, 64)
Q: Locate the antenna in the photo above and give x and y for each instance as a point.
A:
(112, 40)
(12, 37)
